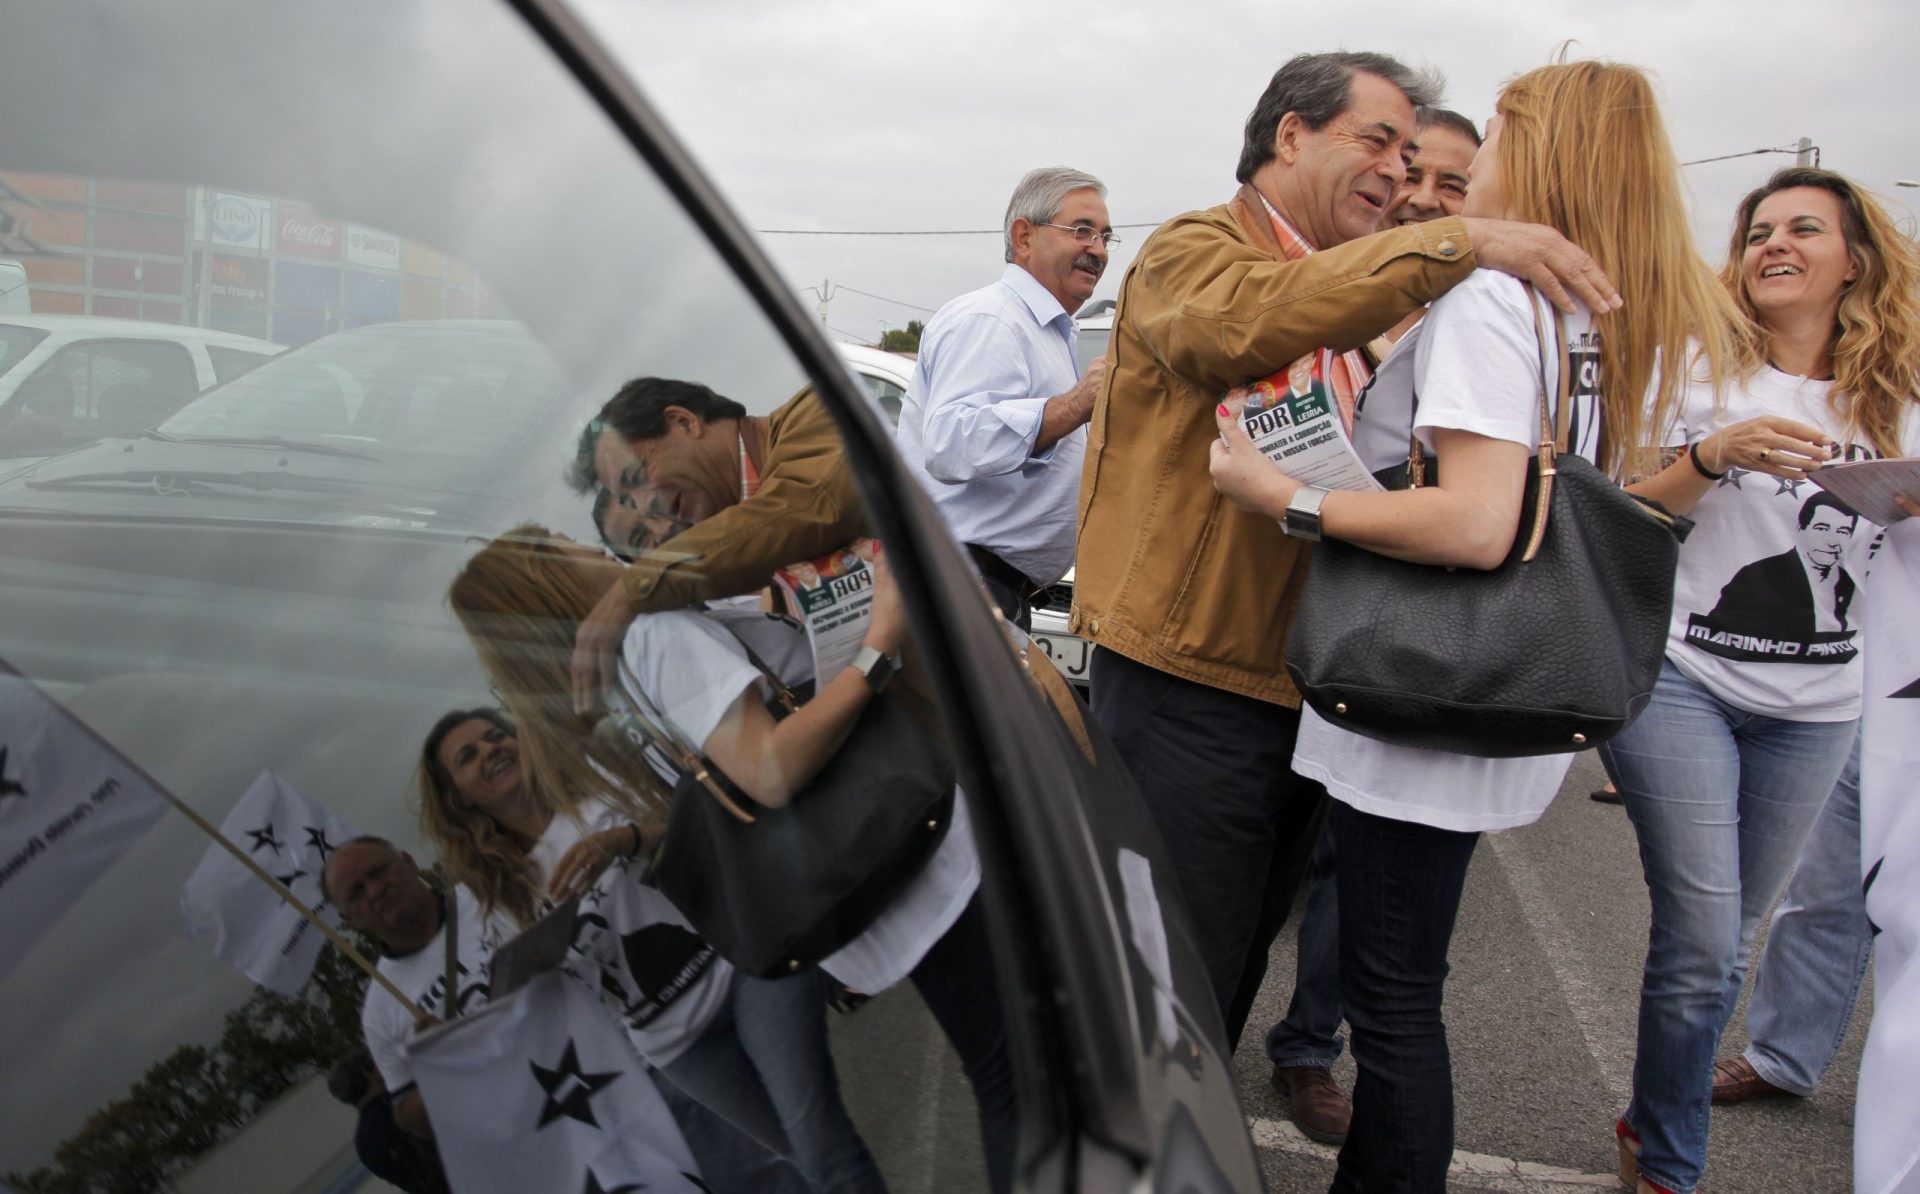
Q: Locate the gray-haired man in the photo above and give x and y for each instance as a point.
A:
(993, 424)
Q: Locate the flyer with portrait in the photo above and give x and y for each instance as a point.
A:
(833, 598)
(1292, 418)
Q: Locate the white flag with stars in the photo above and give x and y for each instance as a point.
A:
(541, 1090)
(290, 837)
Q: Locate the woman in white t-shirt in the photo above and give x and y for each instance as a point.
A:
(520, 599)
(1405, 820)
(1755, 712)
(750, 1051)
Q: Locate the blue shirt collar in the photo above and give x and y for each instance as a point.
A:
(1046, 309)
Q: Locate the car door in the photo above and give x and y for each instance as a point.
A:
(264, 587)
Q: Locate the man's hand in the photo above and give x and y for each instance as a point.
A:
(1536, 253)
(596, 648)
(1064, 412)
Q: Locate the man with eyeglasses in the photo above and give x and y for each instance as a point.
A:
(994, 422)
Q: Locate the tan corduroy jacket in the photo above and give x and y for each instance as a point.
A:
(805, 507)
(1168, 572)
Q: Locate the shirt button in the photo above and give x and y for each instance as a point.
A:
(1448, 248)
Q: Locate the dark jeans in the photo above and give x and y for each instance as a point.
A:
(1400, 886)
(1017, 608)
(956, 982)
(1310, 1034)
(1215, 770)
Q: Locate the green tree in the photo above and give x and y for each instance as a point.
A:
(896, 340)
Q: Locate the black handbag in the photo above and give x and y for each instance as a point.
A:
(1555, 650)
(775, 890)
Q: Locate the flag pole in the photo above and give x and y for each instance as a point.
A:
(280, 889)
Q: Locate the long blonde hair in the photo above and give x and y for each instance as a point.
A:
(1582, 149)
(1876, 334)
(472, 848)
(521, 599)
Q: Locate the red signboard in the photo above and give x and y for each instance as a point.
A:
(298, 232)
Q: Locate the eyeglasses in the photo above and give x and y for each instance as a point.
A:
(1084, 234)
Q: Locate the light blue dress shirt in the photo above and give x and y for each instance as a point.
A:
(989, 360)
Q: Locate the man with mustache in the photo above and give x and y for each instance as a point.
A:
(994, 422)
(1187, 599)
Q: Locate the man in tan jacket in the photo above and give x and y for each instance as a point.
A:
(1188, 599)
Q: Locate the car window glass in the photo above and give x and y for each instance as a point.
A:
(116, 386)
(453, 277)
(15, 343)
(230, 363)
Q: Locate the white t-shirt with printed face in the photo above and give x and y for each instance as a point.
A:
(692, 671)
(1765, 605)
(634, 949)
(1474, 363)
(388, 1026)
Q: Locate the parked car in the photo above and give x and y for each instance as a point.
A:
(259, 583)
(886, 375)
(67, 380)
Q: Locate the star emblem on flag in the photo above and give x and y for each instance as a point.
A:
(9, 787)
(265, 838)
(1786, 486)
(1733, 477)
(1910, 692)
(287, 880)
(594, 1186)
(317, 838)
(569, 1089)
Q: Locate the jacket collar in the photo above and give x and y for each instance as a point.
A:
(1251, 214)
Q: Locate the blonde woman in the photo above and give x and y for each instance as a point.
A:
(1406, 820)
(750, 1051)
(521, 599)
(1757, 706)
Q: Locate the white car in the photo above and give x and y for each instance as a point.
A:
(68, 380)
(884, 374)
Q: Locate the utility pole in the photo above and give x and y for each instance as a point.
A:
(826, 289)
(1805, 154)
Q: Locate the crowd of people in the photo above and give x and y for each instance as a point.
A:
(1428, 277)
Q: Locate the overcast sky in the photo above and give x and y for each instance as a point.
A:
(853, 115)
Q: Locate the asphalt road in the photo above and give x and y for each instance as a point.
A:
(1540, 1014)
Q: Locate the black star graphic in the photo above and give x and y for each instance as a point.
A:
(569, 1090)
(317, 838)
(1866, 888)
(287, 880)
(9, 787)
(1786, 486)
(1733, 477)
(594, 1186)
(1909, 693)
(265, 837)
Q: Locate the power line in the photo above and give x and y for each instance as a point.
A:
(883, 298)
(899, 232)
(1727, 157)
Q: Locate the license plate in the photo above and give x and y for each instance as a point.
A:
(1068, 653)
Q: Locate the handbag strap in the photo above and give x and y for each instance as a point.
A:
(690, 764)
(1556, 412)
(450, 921)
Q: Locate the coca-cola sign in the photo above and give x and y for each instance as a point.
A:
(301, 233)
(372, 247)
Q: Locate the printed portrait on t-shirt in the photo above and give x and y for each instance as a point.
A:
(1790, 607)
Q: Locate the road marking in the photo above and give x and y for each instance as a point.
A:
(1506, 1175)
(1561, 942)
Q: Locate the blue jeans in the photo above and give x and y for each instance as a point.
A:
(1722, 800)
(1310, 1034)
(1400, 886)
(763, 1064)
(1818, 946)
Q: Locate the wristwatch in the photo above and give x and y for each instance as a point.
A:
(1302, 517)
(877, 666)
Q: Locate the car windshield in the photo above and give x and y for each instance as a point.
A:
(16, 342)
(469, 393)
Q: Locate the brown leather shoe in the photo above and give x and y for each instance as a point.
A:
(1735, 1081)
(1315, 1103)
